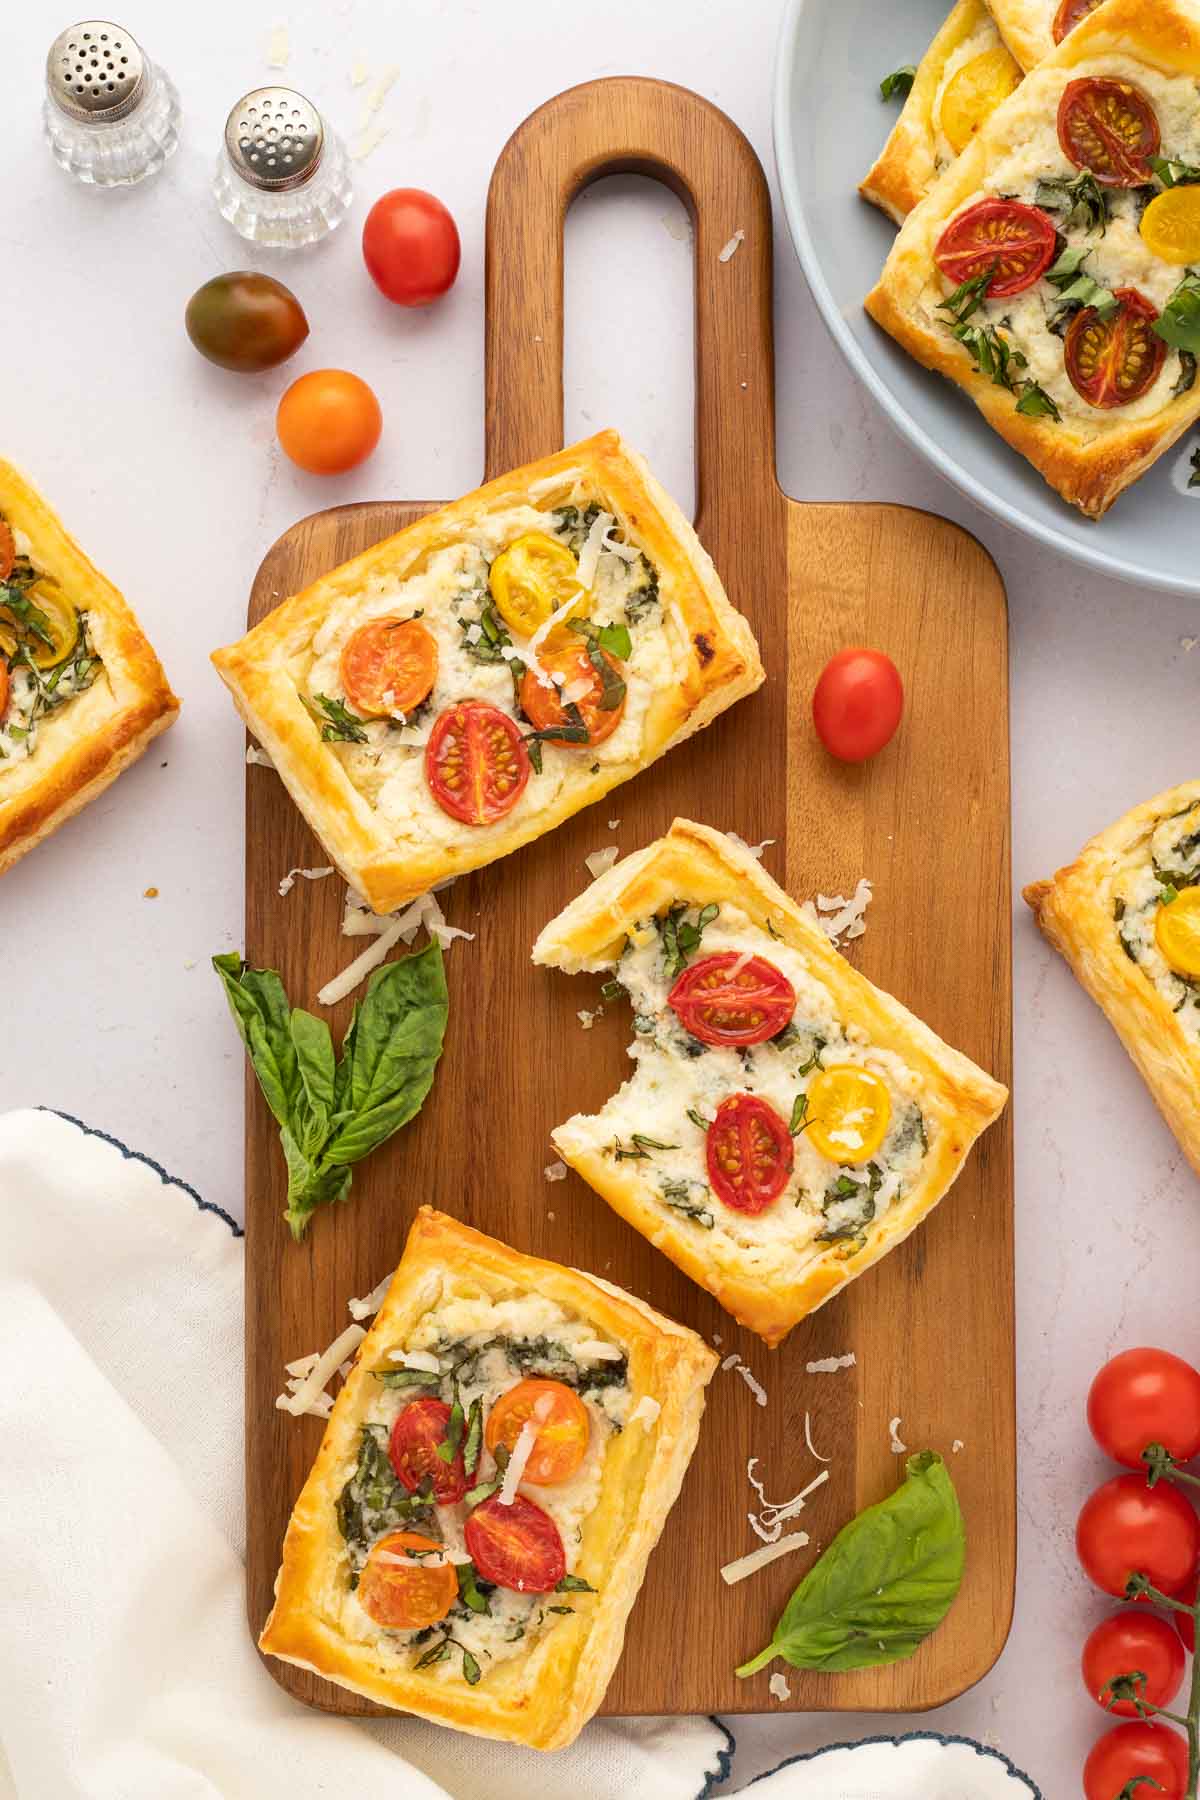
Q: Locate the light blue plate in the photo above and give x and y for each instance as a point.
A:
(830, 125)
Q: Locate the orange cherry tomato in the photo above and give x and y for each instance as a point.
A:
(329, 421)
(516, 1546)
(1109, 127)
(389, 666)
(749, 1153)
(562, 1424)
(402, 1592)
(544, 705)
(4, 687)
(1070, 14)
(732, 999)
(1113, 361)
(8, 550)
(1014, 240)
(476, 763)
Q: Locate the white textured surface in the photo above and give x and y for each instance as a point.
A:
(166, 469)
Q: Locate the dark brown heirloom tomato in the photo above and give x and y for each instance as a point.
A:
(1069, 15)
(733, 999)
(749, 1153)
(1113, 361)
(245, 322)
(1109, 127)
(1015, 240)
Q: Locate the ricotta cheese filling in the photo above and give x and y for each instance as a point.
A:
(1170, 861)
(470, 1347)
(679, 1083)
(449, 592)
(1117, 255)
(34, 693)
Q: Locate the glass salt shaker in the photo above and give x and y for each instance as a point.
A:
(111, 117)
(282, 177)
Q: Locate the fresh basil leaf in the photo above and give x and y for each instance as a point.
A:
(455, 1425)
(966, 300)
(1080, 202)
(899, 81)
(471, 1669)
(612, 685)
(338, 724)
(888, 1579)
(1179, 322)
(313, 1044)
(405, 1378)
(260, 1008)
(1036, 403)
(698, 1121)
(1174, 174)
(1187, 374)
(799, 1110)
(482, 1490)
(574, 1584)
(468, 1588)
(1194, 477)
(473, 1442)
(1076, 288)
(616, 640)
(396, 1045)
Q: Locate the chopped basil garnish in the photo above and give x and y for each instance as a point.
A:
(899, 81)
(338, 724)
(1174, 174)
(1187, 374)
(796, 1124)
(1179, 322)
(1081, 201)
(574, 1584)
(468, 1588)
(1036, 403)
(455, 1426)
(678, 1196)
(1078, 289)
(679, 939)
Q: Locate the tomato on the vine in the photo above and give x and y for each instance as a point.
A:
(1184, 1624)
(1139, 1748)
(857, 703)
(410, 246)
(1142, 1397)
(1128, 1643)
(1127, 1527)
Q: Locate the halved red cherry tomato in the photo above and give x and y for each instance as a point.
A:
(1109, 127)
(1133, 1642)
(1016, 240)
(857, 704)
(410, 246)
(749, 1153)
(731, 998)
(476, 763)
(563, 1428)
(413, 1450)
(1139, 1748)
(516, 1546)
(1127, 1528)
(545, 707)
(1144, 1397)
(389, 666)
(8, 550)
(402, 1592)
(1070, 14)
(1113, 361)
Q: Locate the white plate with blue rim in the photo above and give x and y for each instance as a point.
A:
(921, 1766)
(830, 124)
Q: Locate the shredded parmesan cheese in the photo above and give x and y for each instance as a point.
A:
(589, 556)
(758, 1559)
(599, 1351)
(587, 1019)
(303, 1364)
(361, 967)
(369, 142)
(956, 1446)
(769, 1521)
(312, 1386)
(845, 917)
(289, 880)
(897, 1448)
(555, 1171)
(601, 861)
(424, 1361)
(522, 1451)
(257, 757)
(614, 824)
(778, 1688)
(278, 47)
(829, 1365)
(809, 1442)
(403, 925)
(739, 237)
(370, 1303)
(645, 1412)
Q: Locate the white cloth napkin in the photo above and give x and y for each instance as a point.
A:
(126, 1666)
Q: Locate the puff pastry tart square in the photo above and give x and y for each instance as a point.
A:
(1047, 273)
(465, 686)
(1126, 915)
(962, 77)
(787, 1123)
(81, 691)
(487, 1587)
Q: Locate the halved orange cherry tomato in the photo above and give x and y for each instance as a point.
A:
(562, 1424)
(4, 687)
(730, 998)
(749, 1153)
(975, 91)
(1070, 14)
(532, 579)
(1016, 240)
(389, 665)
(8, 550)
(545, 707)
(1171, 225)
(413, 1451)
(1109, 127)
(850, 1110)
(516, 1546)
(1177, 933)
(476, 763)
(403, 1592)
(1111, 362)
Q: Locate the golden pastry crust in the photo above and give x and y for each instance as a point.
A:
(85, 744)
(909, 163)
(1089, 460)
(714, 658)
(1027, 27)
(698, 865)
(1075, 911)
(544, 1696)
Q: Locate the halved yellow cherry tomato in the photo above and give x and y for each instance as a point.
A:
(975, 91)
(1171, 225)
(61, 627)
(562, 1424)
(850, 1112)
(1177, 932)
(532, 579)
(401, 1588)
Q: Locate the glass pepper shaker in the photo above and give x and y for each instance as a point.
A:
(111, 117)
(282, 177)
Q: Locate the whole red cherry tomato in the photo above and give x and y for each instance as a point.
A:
(411, 247)
(1128, 1527)
(1138, 1748)
(1144, 1397)
(1184, 1624)
(857, 704)
(1133, 1642)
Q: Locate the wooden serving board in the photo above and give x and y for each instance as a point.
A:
(927, 821)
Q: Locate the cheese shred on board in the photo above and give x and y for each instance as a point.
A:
(758, 1559)
(312, 1387)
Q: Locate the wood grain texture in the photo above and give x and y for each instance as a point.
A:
(927, 820)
